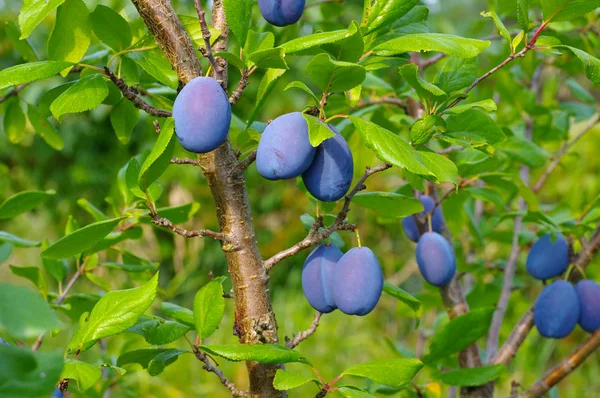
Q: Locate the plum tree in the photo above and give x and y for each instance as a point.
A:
(281, 12)
(557, 310)
(284, 150)
(329, 176)
(317, 277)
(548, 259)
(409, 224)
(589, 304)
(436, 259)
(202, 114)
(357, 281)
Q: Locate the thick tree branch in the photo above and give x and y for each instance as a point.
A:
(166, 223)
(301, 336)
(132, 96)
(317, 233)
(564, 368)
(209, 367)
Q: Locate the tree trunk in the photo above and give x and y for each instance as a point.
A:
(254, 318)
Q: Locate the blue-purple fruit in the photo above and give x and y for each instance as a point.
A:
(589, 304)
(557, 310)
(281, 12)
(548, 259)
(317, 277)
(437, 219)
(436, 259)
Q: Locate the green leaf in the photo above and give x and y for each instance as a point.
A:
(153, 359)
(179, 214)
(404, 297)
(71, 35)
(86, 94)
(115, 237)
(423, 130)
(590, 63)
(111, 28)
(350, 49)
(579, 92)
(160, 156)
(92, 210)
(380, 14)
(257, 42)
(523, 14)
(114, 313)
(23, 46)
(123, 118)
(269, 58)
(523, 151)
(33, 12)
(35, 378)
(157, 331)
(389, 147)
(5, 251)
(474, 126)
(304, 43)
(17, 241)
(156, 65)
(566, 10)
(429, 93)
(455, 46)
(487, 105)
(84, 374)
(33, 274)
(56, 268)
(487, 195)
(499, 25)
(232, 59)
(32, 317)
(267, 84)
(237, 14)
(22, 202)
(335, 76)
(263, 353)
(286, 380)
(80, 240)
(14, 120)
(388, 204)
(395, 372)
(318, 131)
(457, 73)
(354, 392)
(472, 377)
(301, 86)
(131, 267)
(30, 72)
(180, 314)
(441, 167)
(459, 333)
(209, 307)
(44, 128)
(190, 23)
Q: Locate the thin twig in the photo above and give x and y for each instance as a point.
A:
(237, 93)
(207, 52)
(301, 336)
(317, 233)
(166, 223)
(209, 367)
(247, 161)
(132, 95)
(564, 368)
(185, 161)
(14, 92)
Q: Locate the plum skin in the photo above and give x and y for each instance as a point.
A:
(202, 115)
(557, 310)
(330, 175)
(436, 259)
(284, 150)
(357, 282)
(409, 224)
(281, 12)
(589, 299)
(546, 259)
(317, 277)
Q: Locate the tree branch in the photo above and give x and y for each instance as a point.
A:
(14, 92)
(301, 336)
(237, 93)
(132, 96)
(166, 223)
(316, 234)
(209, 367)
(564, 368)
(207, 52)
(185, 161)
(248, 160)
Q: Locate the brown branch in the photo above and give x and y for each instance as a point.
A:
(563, 150)
(301, 336)
(14, 92)
(132, 95)
(564, 368)
(185, 161)
(63, 386)
(317, 233)
(237, 93)
(209, 367)
(166, 223)
(248, 160)
(207, 52)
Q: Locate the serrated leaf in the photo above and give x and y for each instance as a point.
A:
(566, 10)
(23, 46)
(474, 126)
(429, 93)
(354, 392)
(404, 297)
(190, 23)
(153, 359)
(263, 353)
(590, 63)
(84, 374)
(269, 58)
(523, 14)
(44, 128)
(209, 307)
(30, 72)
(80, 240)
(318, 131)
(472, 377)
(114, 313)
(257, 42)
(455, 46)
(86, 94)
(179, 313)
(33, 12)
(267, 84)
(304, 43)
(14, 120)
(499, 25)
(17, 241)
(395, 372)
(523, 151)
(160, 156)
(440, 166)
(22, 202)
(156, 65)
(301, 86)
(111, 28)
(123, 118)
(157, 331)
(380, 14)
(487, 105)
(457, 73)
(237, 14)
(285, 380)
(388, 204)
(35, 379)
(335, 76)
(70, 37)
(33, 274)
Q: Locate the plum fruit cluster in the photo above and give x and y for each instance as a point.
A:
(561, 306)
(281, 12)
(202, 115)
(285, 152)
(351, 282)
(435, 256)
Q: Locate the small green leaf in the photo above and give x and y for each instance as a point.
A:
(523, 151)
(123, 118)
(286, 380)
(80, 240)
(318, 131)
(423, 130)
(388, 204)
(590, 63)
(153, 359)
(303, 44)
(474, 126)
(160, 156)
(335, 76)
(472, 377)
(30, 72)
(441, 167)
(33, 12)
(566, 10)
(301, 86)
(157, 331)
(457, 73)
(5, 251)
(523, 14)
(354, 392)
(17, 241)
(232, 59)
(156, 65)
(257, 42)
(92, 210)
(395, 372)
(84, 374)
(380, 14)
(33, 274)
(237, 14)
(22, 202)
(499, 24)
(23, 46)
(263, 353)
(429, 93)
(404, 297)
(86, 94)
(209, 307)
(267, 84)
(179, 214)
(487, 105)
(180, 314)
(111, 28)
(454, 46)
(269, 58)
(14, 120)
(44, 128)
(56, 268)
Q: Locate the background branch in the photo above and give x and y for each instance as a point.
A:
(166, 223)
(301, 336)
(209, 367)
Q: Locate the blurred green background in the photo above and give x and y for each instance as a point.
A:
(88, 165)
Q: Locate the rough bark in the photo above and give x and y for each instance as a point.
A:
(254, 318)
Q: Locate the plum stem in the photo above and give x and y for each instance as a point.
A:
(357, 237)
